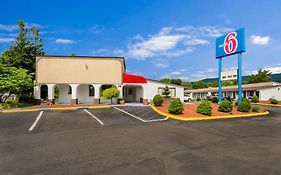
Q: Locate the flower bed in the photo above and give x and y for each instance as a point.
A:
(190, 111)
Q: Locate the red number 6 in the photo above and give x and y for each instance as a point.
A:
(230, 43)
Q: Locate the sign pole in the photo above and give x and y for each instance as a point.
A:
(220, 81)
(239, 77)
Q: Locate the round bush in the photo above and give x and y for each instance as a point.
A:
(274, 101)
(255, 99)
(255, 109)
(225, 106)
(176, 106)
(205, 108)
(158, 100)
(244, 106)
(198, 99)
(215, 100)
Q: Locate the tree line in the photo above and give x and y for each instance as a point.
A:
(259, 77)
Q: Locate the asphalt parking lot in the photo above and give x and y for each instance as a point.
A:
(135, 140)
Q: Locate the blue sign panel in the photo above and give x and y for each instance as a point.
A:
(231, 43)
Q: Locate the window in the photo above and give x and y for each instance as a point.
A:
(229, 76)
(130, 91)
(91, 91)
(69, 89)
(234, 75)
(224, 77)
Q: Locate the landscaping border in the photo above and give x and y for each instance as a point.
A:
(207, 118)
(264, 104)
(55, 109)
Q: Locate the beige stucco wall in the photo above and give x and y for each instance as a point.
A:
(81, 70)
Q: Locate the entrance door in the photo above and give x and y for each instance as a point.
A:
(130, 94)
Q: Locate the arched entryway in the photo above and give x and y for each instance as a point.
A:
(85, 93)
(133, 93)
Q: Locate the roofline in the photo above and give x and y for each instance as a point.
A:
(165, 83)
(236, 87)
(83, 56)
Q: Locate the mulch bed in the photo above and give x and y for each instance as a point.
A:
(267, 102)
(190, 111)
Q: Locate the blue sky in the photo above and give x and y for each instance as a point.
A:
(158, 38)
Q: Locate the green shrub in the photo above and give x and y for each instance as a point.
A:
(228, 98)
(158, 100)
(255, 109)
(255, 99)
(198, 99)
(176, 106)
(215, 100)
(273, 101)
(225, 106)
(205, 108)
(244, 106)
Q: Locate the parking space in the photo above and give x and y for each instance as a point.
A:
(16, 123)
(143, 113)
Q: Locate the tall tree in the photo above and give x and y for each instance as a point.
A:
(261, 76)
(165, 80)
(22, 53)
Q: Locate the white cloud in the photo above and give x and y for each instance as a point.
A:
(64, 41)
(172, 42)
(176, 73)
(194, 42)
(161, 65)
(6, 40)
(96, 29)
(260, 40)
(8, 28)
(273, 70)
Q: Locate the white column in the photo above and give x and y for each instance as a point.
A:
(37, 92)
(97, 93)
(74, 95)
(51, 91)
(120, 88)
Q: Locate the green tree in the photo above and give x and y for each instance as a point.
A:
(23, 51)
(199, 84)
(186, 84)
(261, 76)
(166, 80)
(176, 81)
(72, 54)
(14, 81)
(166, 92)
(213, 84)
(227, 83)
(110, 93)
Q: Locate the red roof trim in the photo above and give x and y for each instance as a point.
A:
(128, 78)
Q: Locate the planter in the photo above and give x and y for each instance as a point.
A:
(145, 101)
(121, 102)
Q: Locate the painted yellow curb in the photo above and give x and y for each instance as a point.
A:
(19, 110)
(99, 107)
(63, 109)
(262, 104)
(207, 118)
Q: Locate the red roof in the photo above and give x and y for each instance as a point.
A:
(128, 78)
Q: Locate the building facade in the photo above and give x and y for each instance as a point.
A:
(264, 91)
(81, 79)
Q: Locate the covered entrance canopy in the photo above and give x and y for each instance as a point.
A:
(133, 88)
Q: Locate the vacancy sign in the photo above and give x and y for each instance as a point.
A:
(231, 43)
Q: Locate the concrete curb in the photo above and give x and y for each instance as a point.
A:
(262, 104)
(55, 109)
(207, 118)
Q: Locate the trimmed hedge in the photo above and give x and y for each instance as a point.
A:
(244, 106)
(158, 100)
(273, 101)
(205, 108)
(225, 106)
(176, 106)
(198, 99)
(255, 99)
(215, 100)
(255, 109)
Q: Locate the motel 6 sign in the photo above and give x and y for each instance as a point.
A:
(231, 43)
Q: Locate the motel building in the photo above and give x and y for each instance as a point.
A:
(264, 91)
(81, 80)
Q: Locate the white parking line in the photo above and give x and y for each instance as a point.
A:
(36, 121)
(94, 117)
(145, 121)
